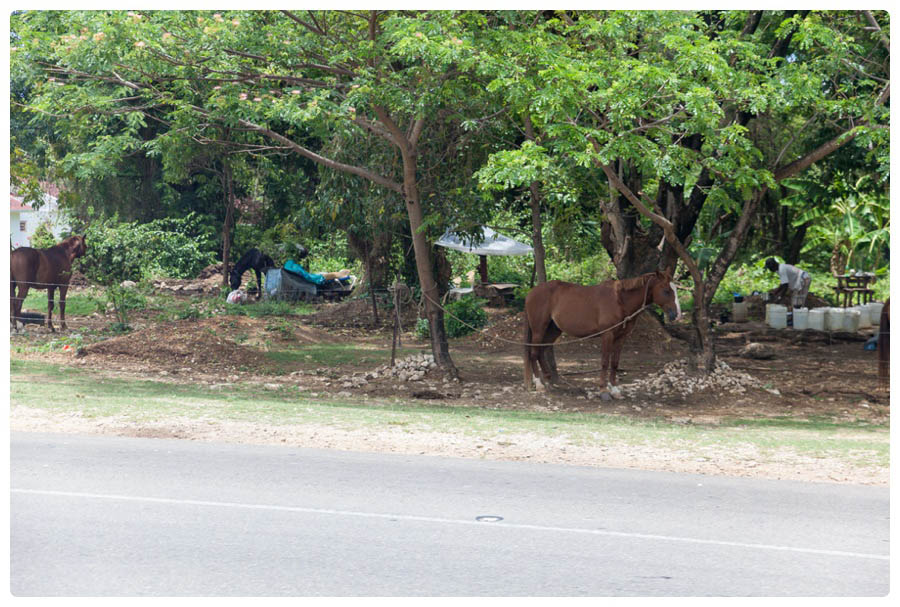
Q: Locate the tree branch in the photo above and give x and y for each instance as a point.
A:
(817, 154)
(884, 39)
(328, 162)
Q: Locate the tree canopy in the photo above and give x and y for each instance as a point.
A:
(654, 134)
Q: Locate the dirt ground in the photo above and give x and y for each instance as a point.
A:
(796, 374)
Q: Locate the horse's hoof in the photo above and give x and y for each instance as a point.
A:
(616, 392)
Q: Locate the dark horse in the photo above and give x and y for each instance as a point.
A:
(611, 307)
(884, 345)
(255, 259)
(43, 269)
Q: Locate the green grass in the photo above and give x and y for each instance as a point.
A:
(65, 390)
(76, 305)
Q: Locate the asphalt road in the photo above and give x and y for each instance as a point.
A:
(115, 516)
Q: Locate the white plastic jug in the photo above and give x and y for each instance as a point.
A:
(865, 322)
(778, 316)
(801, 318)
(851, 320)
(739, 311)
(769, 308)
(875, 312)
(816, 319)
(834, 319)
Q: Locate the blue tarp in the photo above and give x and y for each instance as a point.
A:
(292, 266)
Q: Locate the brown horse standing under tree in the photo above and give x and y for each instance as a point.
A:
(608, 309)
(43, 269)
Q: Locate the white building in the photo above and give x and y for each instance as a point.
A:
(24, 220)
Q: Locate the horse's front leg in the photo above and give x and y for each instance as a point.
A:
(62, 307)
(606, 346)
(50, 291)
(614, 368)
(258, 284)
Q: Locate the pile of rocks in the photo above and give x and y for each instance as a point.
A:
(676, 379)
(411, 368)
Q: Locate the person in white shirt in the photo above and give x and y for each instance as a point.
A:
(794, 282)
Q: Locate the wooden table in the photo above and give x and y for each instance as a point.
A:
(854, 284)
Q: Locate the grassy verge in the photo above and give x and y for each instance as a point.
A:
(64, 390)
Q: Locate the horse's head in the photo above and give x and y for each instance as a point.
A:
(76, 246)
(663, 294)
(234, 279)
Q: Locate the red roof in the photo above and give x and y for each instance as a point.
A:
(16, 204)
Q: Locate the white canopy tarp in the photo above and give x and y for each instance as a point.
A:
(491, 243)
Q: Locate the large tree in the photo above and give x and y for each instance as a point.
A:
(675, 110)
(392, 77)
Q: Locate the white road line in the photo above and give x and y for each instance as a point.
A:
(448, 521)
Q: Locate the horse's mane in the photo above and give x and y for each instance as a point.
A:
(638, 282)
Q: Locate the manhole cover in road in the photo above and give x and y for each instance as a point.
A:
(488, 518)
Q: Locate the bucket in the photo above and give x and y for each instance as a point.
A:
(875, 312)
(777, 316)
(816, 319)
(834, 319)
(851, 320)
(801, 318)
(865, 321)
(739, 311)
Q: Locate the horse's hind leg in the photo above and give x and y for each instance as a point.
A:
(526, 358)
(50, 291)
(534, 358)
(548, 358)
(12, 305)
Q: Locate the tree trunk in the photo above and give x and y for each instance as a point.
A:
(435, 314)
(537, 239)
(228, 187)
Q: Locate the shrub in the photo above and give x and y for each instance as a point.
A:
(463, 315)
(423, 330)
(43, 238)
(177, 248)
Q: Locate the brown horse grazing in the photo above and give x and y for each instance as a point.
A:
(611, 307)
(884, 346)
(43, 269)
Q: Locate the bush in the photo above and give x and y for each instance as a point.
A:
(43, 238)
(176, 248)
(423, 330)
(461, 316)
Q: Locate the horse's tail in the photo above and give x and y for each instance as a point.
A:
(527, 354)
(884, 345)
